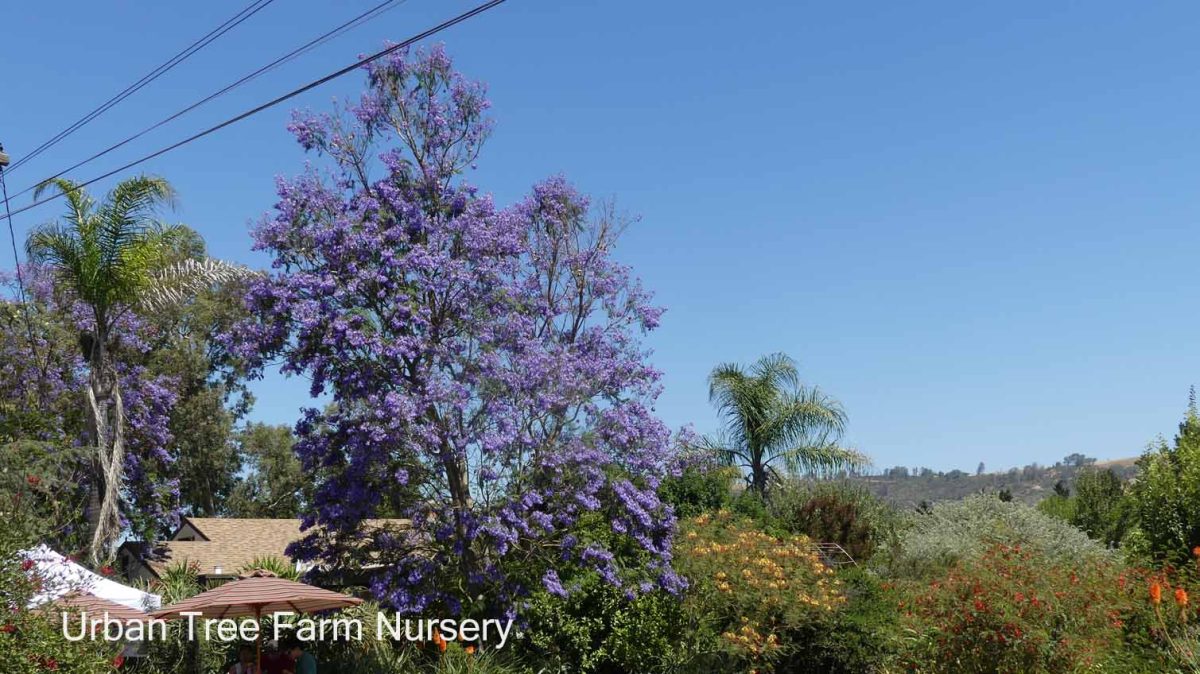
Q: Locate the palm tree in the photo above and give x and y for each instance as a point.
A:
(773, 419)
(116, 257)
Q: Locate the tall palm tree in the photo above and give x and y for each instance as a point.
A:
(773, 420)
(116, 257)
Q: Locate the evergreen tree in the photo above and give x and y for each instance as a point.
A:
(1166, 496)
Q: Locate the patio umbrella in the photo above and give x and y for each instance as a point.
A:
(90, 604)
(260, 592)
(83, 604)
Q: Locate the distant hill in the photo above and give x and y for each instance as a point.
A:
(909, 487)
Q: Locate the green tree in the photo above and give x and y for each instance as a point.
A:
(116, 257)
(1059, 505)
(1166, 496)
(275, 484)
(212, 391)
(772, 420)
(1100, 506)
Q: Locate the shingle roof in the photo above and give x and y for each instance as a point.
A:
(270, 531)
(233, 543)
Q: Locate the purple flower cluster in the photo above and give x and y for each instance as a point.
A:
(484, 363)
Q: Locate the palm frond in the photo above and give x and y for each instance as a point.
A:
(177, 283)
(723, 449)
(738, 400)
(777, 371)
(124, 217)
(821, 459)
(806, 416)
(79, 204)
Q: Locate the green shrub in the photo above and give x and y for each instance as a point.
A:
(833, 512)
(596, 629)
(1101, 508)
(1058, 506)
(751, 505)
(699, 489)
(179, 654)
(859, 639)
(372, 656)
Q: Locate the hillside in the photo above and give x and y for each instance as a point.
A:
(909, 487)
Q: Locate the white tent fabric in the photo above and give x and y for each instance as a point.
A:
(60, 577)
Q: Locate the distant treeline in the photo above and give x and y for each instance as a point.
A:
(1029, 484)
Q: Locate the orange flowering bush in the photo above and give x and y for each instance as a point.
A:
(1172, 596)
(753, 590)
(1012, 610)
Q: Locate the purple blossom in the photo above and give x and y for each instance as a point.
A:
(487, 360)
(552, 584)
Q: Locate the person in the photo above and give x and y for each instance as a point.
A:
(245, 661)
(276, 661)
(305, 662)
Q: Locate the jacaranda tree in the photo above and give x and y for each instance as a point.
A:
(483, 364)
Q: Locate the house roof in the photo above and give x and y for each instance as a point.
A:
(269, 532)
(230, 544)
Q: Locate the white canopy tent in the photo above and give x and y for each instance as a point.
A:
(61, 577)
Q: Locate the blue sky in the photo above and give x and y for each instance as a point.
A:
(977, 226)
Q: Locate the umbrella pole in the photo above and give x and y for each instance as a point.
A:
(258, 641)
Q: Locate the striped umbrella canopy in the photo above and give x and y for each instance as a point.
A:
(95, 607)
(260, 593)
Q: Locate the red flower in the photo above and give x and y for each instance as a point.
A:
(27, 565)
(119, 661)
(8, 628)
(1156, 593)
(50, 664)
(33, 480)
(1181, 596)
(106, 570)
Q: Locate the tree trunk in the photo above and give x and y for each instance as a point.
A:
(758, 476)
(107, 429)
(460, 495)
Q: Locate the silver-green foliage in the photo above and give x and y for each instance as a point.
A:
(957, 530)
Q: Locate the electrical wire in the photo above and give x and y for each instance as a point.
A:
(372, 13)
(12, 237)
(231, 23)
(276, 101)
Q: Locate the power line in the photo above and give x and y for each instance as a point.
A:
(272, 103)
(366, 16)
(12, 237)
(231, 23)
